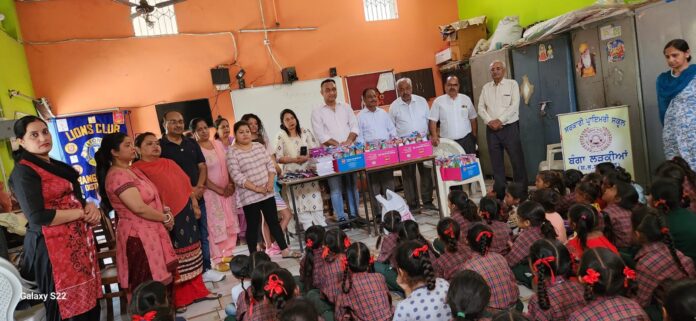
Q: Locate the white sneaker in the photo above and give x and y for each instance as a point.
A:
(213, 276)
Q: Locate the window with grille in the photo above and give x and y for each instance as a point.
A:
(376, 10)
(162, 21)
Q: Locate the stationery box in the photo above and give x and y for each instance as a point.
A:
(415, 151)
(349, 163)
(381, 157)
(451, 173)
(470, 170)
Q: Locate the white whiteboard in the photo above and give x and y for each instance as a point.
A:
(268, 101)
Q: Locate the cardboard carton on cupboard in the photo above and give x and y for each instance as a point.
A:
(463, 36)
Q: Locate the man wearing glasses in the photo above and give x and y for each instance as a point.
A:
(188, 155)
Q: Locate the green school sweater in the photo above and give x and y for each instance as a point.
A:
(682, 226)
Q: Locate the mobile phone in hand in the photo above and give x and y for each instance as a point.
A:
(303, 151)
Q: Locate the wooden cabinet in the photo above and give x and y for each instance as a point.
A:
(423, 82)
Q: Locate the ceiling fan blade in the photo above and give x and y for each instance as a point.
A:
(126, 2)
(135, 14)
(168, 3)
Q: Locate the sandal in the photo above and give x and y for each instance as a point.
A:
(208, 297)
(293, 255)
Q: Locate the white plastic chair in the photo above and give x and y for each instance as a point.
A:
(551, 163)
(446, 148)
(11, 289)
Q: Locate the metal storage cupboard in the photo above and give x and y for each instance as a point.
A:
(547, 66)
(610, 46)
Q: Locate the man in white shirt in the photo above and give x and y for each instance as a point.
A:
(410, 114)
(375, 125)
(457, 117)
(335, 124)
(499, 108)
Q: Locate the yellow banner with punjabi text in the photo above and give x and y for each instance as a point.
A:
(596, 136)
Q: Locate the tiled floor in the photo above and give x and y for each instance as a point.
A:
(215, 310)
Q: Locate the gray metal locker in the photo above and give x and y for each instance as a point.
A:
(480, 75)
(550, 72)
(616, 83)
(657, 24)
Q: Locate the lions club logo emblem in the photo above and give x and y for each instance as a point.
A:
(595, 139)
(90, 148)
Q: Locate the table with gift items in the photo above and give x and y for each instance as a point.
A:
(361, 159)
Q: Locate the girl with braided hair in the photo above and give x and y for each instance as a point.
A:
(556, 295)
(533, 226)
(280, 287)
(409, 231)
(312, 260)
(258, 309)
(657, 260)
(245, 298)
(425, 294)
(454, 254)
(583, 221)
(493, 268)
(491, 211)
(468, 297)
(364, 295)
(606, 278)
(331, 271)
(666, 198)
(463, 209)
(387, 245)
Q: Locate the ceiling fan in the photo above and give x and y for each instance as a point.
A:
(145, 9)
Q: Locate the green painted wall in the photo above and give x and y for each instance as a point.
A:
(530, 11)
(14, 74)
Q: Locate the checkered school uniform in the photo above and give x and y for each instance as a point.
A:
(464, 224)
(263, 311)
(621, 225)
(242, 305)
(367, 300)
(495, 270)
(654, 265)
(331, 276)
(501, 237)
(387, 247)
(318, 262)
(610, 308)
(565, 297)
(450, 263)
(521, 245)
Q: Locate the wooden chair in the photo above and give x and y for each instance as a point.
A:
(105, 239)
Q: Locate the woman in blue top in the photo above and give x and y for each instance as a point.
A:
(676, 97)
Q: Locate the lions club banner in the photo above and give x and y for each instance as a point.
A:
(80, 137)
(596, 136)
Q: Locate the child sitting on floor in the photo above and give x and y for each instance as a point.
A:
(533, 226)
(606, 278)
(493, 268)
(364, 295)
(386, 246)
(468, 297)
(453, 257)
(417, 278)
(556, 295)
(490, 211)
